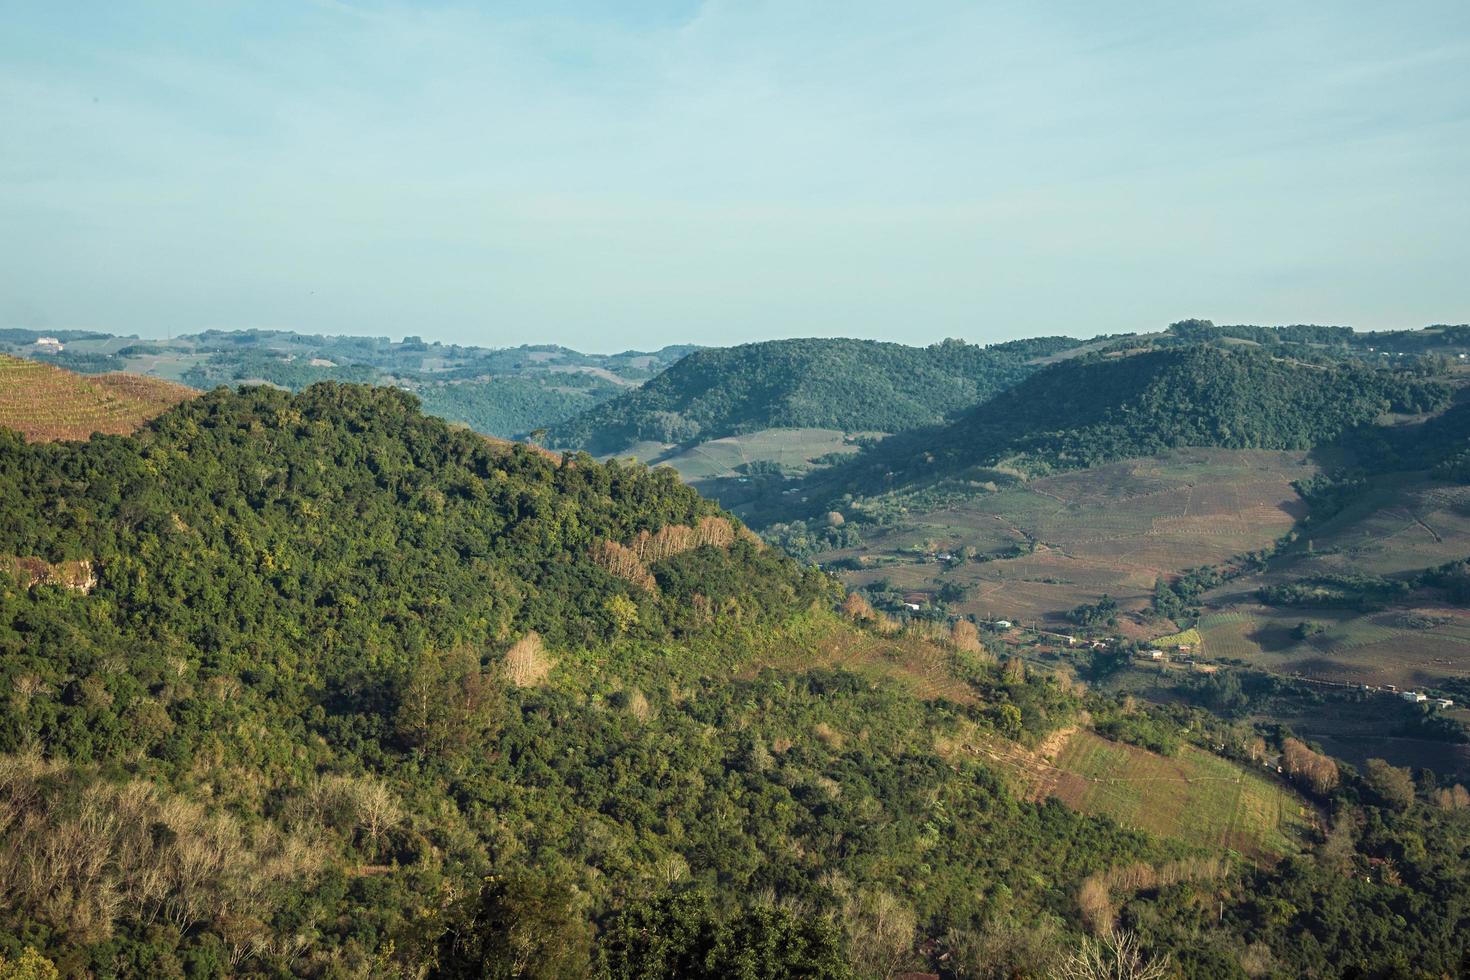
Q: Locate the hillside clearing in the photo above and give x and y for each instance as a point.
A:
(1195, 797)
(45, 403)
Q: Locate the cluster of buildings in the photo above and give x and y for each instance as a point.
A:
(1417, 697)
(1413, 697)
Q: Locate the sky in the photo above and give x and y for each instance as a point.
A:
(627, 175)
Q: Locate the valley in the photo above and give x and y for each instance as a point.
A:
(449, 658)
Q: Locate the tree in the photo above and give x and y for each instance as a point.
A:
(1392, 785)
(965, 636)
(523, 924)
(526, 663)
(1314, 770)
(1114, 956)
(880, 933)
(446, 703)
(30, 965)
(681, 936)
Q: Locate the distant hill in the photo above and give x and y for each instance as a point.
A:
(850, 385)
(498, 391)
(45, 403)
(1089, 410)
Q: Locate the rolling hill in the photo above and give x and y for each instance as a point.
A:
(45, 403)
(1094, 409)
(502, 392)
(838, 384)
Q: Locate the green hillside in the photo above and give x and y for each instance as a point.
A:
(1090, 410)
(847, 385)
(315, 685)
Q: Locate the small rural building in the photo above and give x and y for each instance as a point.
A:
(49, 345)
(1444, 703)
(1002, 624)
(1414, 696)
(1154, 654)
(912, 606)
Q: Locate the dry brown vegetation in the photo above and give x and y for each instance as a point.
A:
(1114, 956)
(526, 662)
(1097, 898)
(857, 609)
(79, 575)
(1454, 798)
(84, 855)
(965, 636)
(45, 403)
(1315, 771)
(630, 562)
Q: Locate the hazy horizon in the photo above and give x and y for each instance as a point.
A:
(716, 173)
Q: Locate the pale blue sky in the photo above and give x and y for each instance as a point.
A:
(619, 175)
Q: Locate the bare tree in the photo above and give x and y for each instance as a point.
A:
(1315, 771)
(1115, 956)
(880, 933)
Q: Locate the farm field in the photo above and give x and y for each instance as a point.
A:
(1386, 647)
(45, 403)
(792, 449)
(1112, 529)
(1401, 525)
(1196, 797)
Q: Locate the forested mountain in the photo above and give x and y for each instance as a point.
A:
(1087, 410)
(315, 685)
(851, 385)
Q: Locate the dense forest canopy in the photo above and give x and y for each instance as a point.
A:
(851, 385)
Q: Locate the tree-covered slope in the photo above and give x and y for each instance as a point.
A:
(1089, 410)
(314, 685)
(344, 520)
(852, 385)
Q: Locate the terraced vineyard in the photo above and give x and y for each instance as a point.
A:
(45, 403)
(1195, 796)
(921, 667)
(791, 449)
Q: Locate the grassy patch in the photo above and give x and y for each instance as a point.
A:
(1195, 796)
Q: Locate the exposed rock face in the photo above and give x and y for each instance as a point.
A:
(80, 576)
